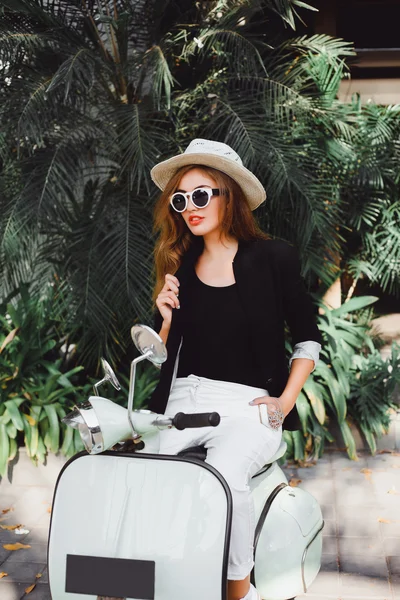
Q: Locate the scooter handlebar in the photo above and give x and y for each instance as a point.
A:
(184, 421)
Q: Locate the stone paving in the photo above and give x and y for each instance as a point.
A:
(360, 502)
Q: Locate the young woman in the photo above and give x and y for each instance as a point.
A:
(223, 293)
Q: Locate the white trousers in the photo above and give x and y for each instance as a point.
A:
(238, 447)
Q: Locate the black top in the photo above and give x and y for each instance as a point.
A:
(215, 335)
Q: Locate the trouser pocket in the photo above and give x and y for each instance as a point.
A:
(263, 414)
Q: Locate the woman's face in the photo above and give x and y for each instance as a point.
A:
(209, 216)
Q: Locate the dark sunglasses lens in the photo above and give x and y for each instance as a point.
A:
(200, 198)
(179, 202)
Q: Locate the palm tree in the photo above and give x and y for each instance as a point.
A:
(79, 113)
(93, 93)
(371, 190)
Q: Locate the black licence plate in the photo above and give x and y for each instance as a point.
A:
(114, 577)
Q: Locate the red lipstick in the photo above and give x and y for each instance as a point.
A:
(195, 220)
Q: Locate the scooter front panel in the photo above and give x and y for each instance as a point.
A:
(152, 508)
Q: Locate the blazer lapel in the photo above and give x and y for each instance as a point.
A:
(184, 275)
(250, 280)
(257, 296)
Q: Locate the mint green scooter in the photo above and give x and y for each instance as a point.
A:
(141, 525)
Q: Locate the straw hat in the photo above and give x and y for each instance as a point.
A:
(217, 155)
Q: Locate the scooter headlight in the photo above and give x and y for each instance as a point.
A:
(100, 422)
(73, 419)
(84, 419)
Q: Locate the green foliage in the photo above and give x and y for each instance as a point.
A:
(351, 384)
(92, 95)
(370, 187)
(372, 388)
(35, 389)
(88, 105)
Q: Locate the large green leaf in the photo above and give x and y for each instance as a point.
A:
(369, 436)
(354, 304)
(34, 441)
(348, 440)
(41, 450)
(303, 409)
(315, 395)
(335, 391)
(13, 410)
(5, 417)
(299, 445)
(11, 430)
(67, 441)
(13, 449)
(54, 428)
(4, 450)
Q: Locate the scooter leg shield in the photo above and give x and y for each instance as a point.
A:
(140, 526)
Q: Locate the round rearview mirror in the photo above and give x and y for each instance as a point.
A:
(109, 374)
(145, 340)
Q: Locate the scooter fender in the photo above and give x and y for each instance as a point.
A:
(288, 537)
(139, 525)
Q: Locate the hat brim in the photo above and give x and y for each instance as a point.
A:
(250, 184)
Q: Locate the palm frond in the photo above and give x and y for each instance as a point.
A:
(327, 45)
(382, 248)
(232, 45)
(160, 74)
(287, 11)
(77, 72)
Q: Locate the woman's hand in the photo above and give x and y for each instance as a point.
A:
(285, 402)
(168, 299)
(275, 410)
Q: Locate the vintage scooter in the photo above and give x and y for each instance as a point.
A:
(142, 525)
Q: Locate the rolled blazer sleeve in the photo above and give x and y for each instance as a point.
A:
(298, 308)
(308, 349)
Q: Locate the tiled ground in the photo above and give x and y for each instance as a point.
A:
(360, 502)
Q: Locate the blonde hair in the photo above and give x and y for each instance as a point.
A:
(175, 238)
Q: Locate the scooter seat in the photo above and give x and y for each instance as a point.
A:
(197, 452)
(200, 453)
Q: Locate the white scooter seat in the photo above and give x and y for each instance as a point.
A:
(200, 453)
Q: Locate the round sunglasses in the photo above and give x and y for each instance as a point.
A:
(200, 198)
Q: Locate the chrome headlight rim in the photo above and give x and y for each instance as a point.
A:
(89, 428)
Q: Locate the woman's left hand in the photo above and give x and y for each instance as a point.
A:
(270, 401)
(274, 409)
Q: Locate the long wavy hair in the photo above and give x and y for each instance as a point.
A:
(175, 238)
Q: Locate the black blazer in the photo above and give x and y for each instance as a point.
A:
(272, 291)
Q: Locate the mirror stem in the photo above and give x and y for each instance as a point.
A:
(98, 384)
(132, 389)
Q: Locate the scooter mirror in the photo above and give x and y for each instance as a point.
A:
(109, 374)
(148, 341)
